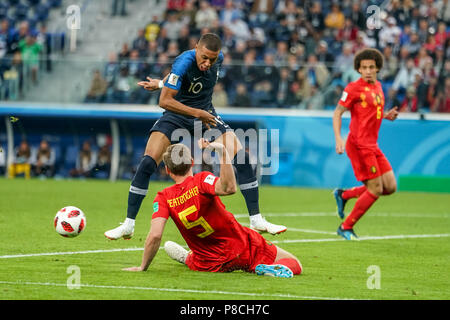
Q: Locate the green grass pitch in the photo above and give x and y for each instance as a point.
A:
(404, 252)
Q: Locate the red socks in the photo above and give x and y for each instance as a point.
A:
(291, 264)
(354, 192)
(364, 202)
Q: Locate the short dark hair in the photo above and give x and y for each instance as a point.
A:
(211, 41)
(369, 54)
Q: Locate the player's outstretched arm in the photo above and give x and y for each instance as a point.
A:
(337, 124)
(152, 84)
(226, 184)
(152, 244)
(391, 114)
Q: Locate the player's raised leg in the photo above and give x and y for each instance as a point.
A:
(248, 183)
(156, 146)
(342, 196)
(364, 202)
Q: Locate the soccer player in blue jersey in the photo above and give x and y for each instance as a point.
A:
(186, 97)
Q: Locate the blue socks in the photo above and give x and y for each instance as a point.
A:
(139, 185)
(247, 181)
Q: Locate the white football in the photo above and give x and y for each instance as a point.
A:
(70, 221)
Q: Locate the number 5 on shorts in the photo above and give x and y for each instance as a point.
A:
(199, 222)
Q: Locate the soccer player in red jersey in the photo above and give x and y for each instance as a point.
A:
(218, 243)
(365, 100)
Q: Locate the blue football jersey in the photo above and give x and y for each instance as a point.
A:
(195, 87)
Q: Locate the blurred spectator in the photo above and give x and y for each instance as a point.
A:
(263, 95)
(344, 61)
(406, 76)
(135, 65)
(323, 55)
(219, 98)
(124, 53)
(103, 165)
(111, 69)
(125, 85)
(335, 19)
(173, 26)
(22, 161)
(187, 15)
(317, 73)
(44, 38)
(314, 102)
(173, 50)
(242, 98)
(301, 87)
(85, 163)
(119, 5)
(260, 12)
(44, 162)
(97, 91)
(30, 50)
(390, 33)
(205, 15)
(175, 5)
(316, 17)
(141, 43)
(410, 102)
(227, 14)
(282, 89)
(152, 29)
(442, 103)
(390, 66)
(183, 39)
(357, 16)
(239, 29)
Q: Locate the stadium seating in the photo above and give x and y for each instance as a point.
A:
(23, 31)
(248, 29)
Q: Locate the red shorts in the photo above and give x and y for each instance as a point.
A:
(258, 251)
(367, 163)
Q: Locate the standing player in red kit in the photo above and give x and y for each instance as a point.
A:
(365, 100)
(218, 243)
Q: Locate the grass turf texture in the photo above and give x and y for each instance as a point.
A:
(410, 268)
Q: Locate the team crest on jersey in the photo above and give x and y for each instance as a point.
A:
(155, 207)
(373, 169)
(173, 79)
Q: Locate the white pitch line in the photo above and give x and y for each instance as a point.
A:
(362, 238)
(67, 253)
(333, 214)
(247, 294)
(412, 236)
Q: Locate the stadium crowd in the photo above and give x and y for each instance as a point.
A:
(292, 53)
(25, 44)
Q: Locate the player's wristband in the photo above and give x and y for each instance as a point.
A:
(160, 84)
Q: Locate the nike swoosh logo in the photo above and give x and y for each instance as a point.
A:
(195, 79)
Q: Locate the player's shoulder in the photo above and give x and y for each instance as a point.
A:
(187, 56)
(184, 61)
(354, 84)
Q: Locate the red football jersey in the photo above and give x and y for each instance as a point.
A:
(366, 103)
(207, 227)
